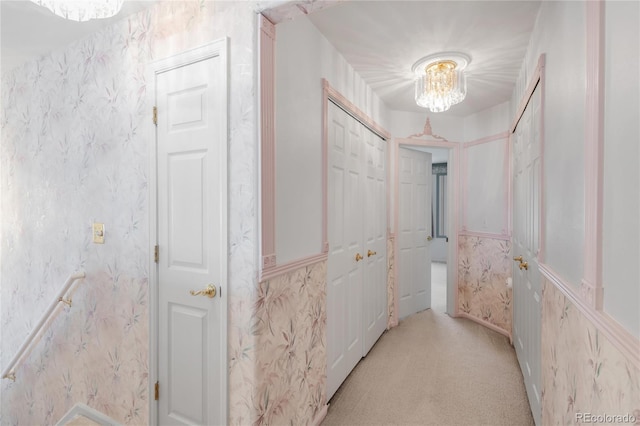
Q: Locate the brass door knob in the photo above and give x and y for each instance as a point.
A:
(371, 253)
(518, 258)
(359, 257)
(210, 292)
(524, 265)
(429, 238)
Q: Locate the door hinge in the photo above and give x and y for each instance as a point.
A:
(155, 115)
(157, 391)
(156, 254)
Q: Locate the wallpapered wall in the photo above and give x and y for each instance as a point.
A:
(484, 264)
(75, 150)
(290, 323)
(582, 372)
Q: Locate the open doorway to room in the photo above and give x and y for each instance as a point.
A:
(438, 226)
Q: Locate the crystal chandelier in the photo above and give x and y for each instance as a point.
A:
(440, 80)
(82, 10)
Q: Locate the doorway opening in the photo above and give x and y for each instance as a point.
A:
(438, 228)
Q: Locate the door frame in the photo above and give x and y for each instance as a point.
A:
(454, 191)
(216, 48)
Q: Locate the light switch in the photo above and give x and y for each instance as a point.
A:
(98, 233)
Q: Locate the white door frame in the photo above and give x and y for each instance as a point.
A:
(216, 48)
(452, 216)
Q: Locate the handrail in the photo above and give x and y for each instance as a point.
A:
(8, 372)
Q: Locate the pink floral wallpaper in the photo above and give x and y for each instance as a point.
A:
(582, 372)
(74, 150)
(484, 264)
(289, 323)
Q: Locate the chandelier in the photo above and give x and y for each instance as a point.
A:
(440, 80)
(82, 10)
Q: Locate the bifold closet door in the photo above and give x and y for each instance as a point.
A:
(357, 263)
(344, 272)
(375, 237)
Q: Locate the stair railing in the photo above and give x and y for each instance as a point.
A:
(9, 371)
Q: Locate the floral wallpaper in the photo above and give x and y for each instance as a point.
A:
(75, 150)
(484, 264)
(289, 323)
(582, 372)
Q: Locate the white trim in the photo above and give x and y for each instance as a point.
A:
(150, 130)
(619, 337)
(216, 48)
(82, 410)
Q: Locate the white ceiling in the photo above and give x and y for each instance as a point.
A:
(380, 39)
(383, 39)
(28, 30)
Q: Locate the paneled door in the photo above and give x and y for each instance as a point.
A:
(192, 228)
(375, 237)
(414, 232)
(526, 246)
(345, 188)
(357, 231)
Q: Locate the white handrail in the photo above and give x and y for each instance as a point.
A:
(8, 372)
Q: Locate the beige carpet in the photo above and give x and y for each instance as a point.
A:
(434, 370)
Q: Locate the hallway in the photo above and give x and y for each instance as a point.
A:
(434, 370)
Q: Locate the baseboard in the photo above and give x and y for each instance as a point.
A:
(392, 323)
(320, 416)
(486, 324)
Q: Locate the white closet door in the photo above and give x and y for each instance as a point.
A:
(375, 236)
(526, 230)
(357, 227)
(344, 272)
(414, 232)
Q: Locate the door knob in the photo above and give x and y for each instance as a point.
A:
(518, 258)
(359, 257)
(429, 238)
(524, 265)
(371, 253)
(210, 292)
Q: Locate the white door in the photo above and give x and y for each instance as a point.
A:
(414, 232)
(192, 202)
(375, 237)
(344, 271)
(526, 222)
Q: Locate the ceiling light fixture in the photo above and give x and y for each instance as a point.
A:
(440, 80)
(82, 10)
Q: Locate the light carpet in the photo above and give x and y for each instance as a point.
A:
(434, 370)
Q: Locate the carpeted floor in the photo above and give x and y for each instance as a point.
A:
(434, 370)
